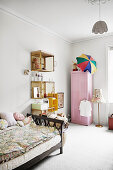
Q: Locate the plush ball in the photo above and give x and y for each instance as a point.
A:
(3, 124)
(18, 116)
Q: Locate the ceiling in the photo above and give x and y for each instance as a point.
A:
(70, 19)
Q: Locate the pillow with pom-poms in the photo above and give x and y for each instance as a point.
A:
(3, 124)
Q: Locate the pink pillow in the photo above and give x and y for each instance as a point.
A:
(9, 118)
(18, 116)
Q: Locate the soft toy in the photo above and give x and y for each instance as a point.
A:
(75, 67)
(37, 63)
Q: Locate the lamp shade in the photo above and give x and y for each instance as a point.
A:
(98, 96)
(100, 27)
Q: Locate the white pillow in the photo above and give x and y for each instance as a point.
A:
(9, 118)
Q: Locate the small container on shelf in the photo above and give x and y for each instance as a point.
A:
(36, 63)
(39, 77)
(36, 77)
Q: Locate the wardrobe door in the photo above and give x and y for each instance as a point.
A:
(78, 91)
(81, 84)
(73, 98)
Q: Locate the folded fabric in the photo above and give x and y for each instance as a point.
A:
(9, 118)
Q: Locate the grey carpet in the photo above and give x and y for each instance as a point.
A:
(86, 148)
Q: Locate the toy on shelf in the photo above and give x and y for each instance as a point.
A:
(75, 67)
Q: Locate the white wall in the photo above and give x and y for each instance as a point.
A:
(110, 74)
(97, 49)
(17, 40)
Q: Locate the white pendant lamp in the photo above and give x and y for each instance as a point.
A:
(99, 27)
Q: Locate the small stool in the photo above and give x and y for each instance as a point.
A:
(110, 123)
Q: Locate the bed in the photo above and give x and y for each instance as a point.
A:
(22, 147)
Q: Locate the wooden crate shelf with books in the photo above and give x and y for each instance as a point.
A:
(42, 61)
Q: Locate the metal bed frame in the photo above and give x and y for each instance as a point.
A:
(43, 120)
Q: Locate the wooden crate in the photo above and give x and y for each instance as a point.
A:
(45, 89)
(42, 61)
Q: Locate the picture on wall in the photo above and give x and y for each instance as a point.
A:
(60, 100)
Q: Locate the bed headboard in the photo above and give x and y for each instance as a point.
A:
(46, 121)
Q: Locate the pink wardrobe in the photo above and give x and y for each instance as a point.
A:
(81, 89)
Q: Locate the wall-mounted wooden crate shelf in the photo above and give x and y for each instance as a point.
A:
(42, 61)
(42, 89)
(41, 109)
